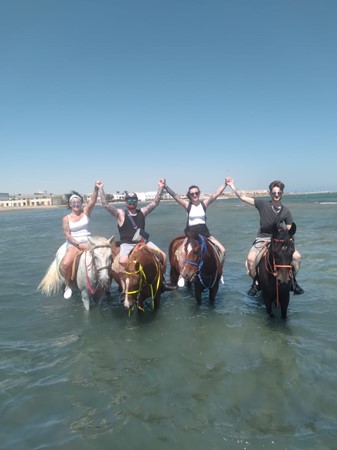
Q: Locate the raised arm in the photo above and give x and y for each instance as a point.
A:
(155, 202)
(215, 194)
(180, 201)
(116, 212)
(93, 199)
(240, 195)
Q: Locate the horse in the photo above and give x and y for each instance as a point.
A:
(201, 266)
(143, 277)
(93, 272)
(275, 270)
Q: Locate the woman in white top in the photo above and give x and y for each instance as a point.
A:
(196, 211)
(75, 228)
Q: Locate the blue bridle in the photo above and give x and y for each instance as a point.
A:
(203, 251)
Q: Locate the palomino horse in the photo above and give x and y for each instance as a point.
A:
(201, 265)
(143, 277)
(93, 274)
(275, 272)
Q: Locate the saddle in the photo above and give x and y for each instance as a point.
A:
(263, 250)
(75, 264)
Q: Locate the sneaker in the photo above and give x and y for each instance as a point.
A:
(67, 293)
(253, 291)
(181, 281)
(297, 289)
(168, 286)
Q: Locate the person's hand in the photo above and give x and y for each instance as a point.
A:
(161, 182)
(229, 181)
(99, 184)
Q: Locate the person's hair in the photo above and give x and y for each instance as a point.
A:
(278, 184)
(191, 187)
(67, 196)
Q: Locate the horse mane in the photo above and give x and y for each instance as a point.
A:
(94, 241)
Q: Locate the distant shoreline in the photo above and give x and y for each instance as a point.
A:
(225, 197)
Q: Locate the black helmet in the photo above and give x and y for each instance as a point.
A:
(131, 195)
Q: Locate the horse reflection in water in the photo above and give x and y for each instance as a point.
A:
(92, 274)
(143, 277)
(275, 271)
(197, 260)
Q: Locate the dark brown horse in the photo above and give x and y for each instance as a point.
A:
(275, 272)
(143, 277)
(197, 261)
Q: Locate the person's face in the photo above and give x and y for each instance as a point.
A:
(76, 203)
(131, 203)
(194, 194)
(276, 194)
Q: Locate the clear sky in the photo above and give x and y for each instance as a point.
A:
(128, 91)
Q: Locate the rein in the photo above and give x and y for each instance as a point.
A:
(272, 268)
(203, 250)
(143, 282)
(87, 266)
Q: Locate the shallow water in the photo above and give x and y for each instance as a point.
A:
(187, 377)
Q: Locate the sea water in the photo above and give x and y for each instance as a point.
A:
(188, 377)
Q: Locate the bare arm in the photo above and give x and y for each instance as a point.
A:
(67, 233)
(155, 202)
(215, 194)
(176, 198)
(93, 199)
(239, 194)
(116, 212)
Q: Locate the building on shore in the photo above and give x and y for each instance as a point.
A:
(42, 199)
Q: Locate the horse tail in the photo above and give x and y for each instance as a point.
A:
(52, 281)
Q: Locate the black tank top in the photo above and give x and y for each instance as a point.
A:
(127, 230)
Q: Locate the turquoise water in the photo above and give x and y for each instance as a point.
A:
(188, 377)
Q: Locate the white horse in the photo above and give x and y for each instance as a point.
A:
(93, 272)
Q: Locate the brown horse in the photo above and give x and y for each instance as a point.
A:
(143, 277)
(275, 272)
(201, 265)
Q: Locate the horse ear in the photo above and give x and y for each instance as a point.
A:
(293, 228)
(112, 239)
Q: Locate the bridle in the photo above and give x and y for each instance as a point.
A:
(143, 282)
(272, 267)
(97, 270)
(200, 263)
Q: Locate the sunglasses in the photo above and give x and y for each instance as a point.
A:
(194, 194)
(131, 201)
(76, 203)
(276, 194)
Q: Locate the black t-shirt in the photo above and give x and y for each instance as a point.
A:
(269, 216)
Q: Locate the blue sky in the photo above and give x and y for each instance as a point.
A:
(128, 91)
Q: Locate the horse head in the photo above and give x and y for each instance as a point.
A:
(281, 250)
(99, 249)
(195, 249)
(143, 277)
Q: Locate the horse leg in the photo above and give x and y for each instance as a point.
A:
(174, 274)
(156, 300)
(284, 299)
(268, 299)
(197, 292)
(85, 299)
(213, 291)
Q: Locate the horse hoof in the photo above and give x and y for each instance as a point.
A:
(86, 304)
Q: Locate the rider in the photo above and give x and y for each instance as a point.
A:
(131, 219)
(196, 212)
(271, 212)
(75, 228)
